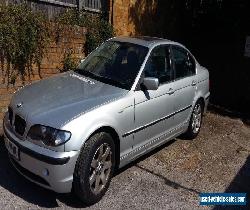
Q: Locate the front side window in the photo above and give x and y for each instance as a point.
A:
(183, 62)
(158, 64)
(115, 63)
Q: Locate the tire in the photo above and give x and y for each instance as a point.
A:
(195, 121)
(94, 168)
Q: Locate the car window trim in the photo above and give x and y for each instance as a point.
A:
(170, 60)
(188, 54)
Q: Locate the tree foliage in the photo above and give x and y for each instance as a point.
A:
(98, 28)
(23, 37)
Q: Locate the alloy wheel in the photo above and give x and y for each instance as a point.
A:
(100, 168)
(197, 116)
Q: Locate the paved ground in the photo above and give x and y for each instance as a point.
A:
(169, 178)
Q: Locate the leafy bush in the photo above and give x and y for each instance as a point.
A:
(98, 28)
(23, 37)
(68, 62)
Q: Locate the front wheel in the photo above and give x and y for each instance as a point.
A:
(94, 168)
(195, 121)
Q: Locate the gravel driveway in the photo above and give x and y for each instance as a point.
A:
(171, 177)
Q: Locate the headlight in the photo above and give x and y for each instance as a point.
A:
(49, 136)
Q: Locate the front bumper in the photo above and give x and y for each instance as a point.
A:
(50, 169)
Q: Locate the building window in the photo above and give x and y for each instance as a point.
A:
(95, 5)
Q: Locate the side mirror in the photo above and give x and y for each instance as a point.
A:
(151, 83)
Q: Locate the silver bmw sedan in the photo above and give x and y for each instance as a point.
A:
(130, 95)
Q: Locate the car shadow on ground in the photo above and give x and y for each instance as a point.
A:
(166, 180)
(240, 184)
(143, 157)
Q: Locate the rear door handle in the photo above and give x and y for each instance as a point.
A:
(170, 91)
(194, 83)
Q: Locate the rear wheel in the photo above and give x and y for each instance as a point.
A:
(94, 168)
(195, 121)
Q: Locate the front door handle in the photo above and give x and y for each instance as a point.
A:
(170, 91)
(194, 83)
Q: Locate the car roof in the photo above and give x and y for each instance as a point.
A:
(146, 41)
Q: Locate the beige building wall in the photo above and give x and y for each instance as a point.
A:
(132, 17)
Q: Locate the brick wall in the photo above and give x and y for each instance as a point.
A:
(72, 40)
(132, 17)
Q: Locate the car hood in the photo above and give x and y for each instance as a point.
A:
(58, 99)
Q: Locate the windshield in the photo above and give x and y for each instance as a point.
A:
(115, 63)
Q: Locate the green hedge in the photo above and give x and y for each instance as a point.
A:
(98, 28)
(23, 37)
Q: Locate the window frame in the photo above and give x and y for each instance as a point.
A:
(189, 55)
(88, 5)
(172, 76)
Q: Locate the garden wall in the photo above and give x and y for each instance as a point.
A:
(127, 19)
(72, 40)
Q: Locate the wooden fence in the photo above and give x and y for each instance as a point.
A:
(52, 8)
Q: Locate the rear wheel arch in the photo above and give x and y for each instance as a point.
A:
(202, 100)
(195, 120)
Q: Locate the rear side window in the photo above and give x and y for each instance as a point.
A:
(183, 62)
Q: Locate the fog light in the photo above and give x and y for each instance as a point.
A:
(45, 172)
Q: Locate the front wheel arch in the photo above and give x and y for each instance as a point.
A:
(82, 185)
(116, 139)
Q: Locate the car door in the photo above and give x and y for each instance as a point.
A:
(154, 108)
(184, 84)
